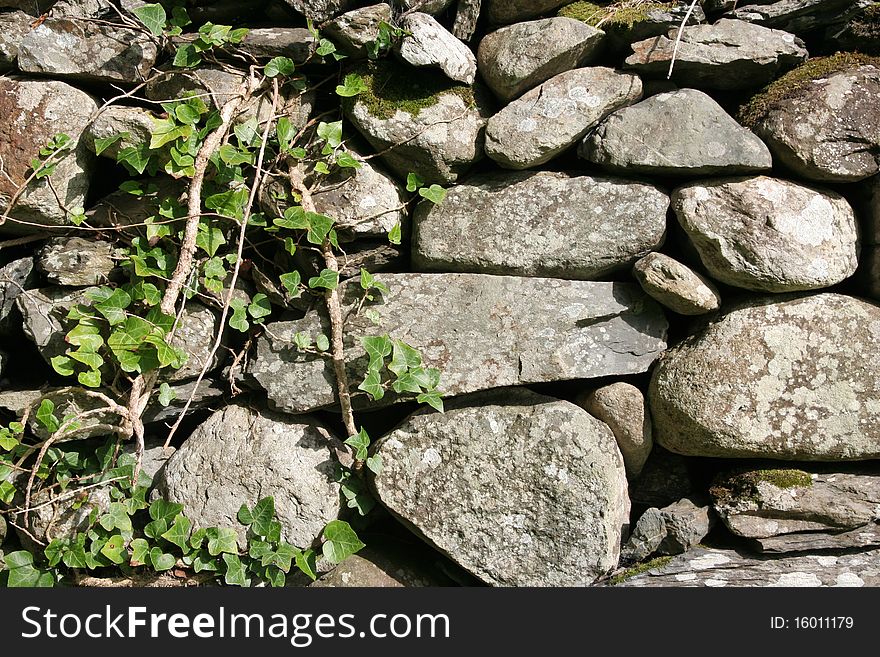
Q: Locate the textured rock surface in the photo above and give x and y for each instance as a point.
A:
(679, 133)
(353, 30)
(321, 10)
(76, 262)
(798, 16)
(726, 55)
(622, 407)
(768, 234)
(428, 43)
(540, 224)
(790, 379)
(676, 286)
(86, 50)
(269, 455)
(484, 483)
(861, 537)
(118, 120)
(297, 43)
(382, 568)
(13, 279)
(551, 118)
(714, 567)
(512, 11)
(64, 109)
(828, 130)
(14, 25)
(673, 529)
(518, 57)
(484, 332)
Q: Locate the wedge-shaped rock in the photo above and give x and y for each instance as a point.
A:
(86, 50)
(793, 379)
(518, 57)
(726, 55)
(540, 224)
(354, 30)
(679, 133)
(518, 488)
(676, 286)
(428, 44)
(480, 331)
(768, 234)
(550, 119)
(239, 456)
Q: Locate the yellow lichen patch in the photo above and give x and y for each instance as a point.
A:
(617, 14)
(795, 80)
(744, 484)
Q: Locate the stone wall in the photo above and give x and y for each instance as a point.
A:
(650, 289)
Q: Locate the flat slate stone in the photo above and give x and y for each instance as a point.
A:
(428, 43)
(517, 488)
(540, 224)
(480, 331)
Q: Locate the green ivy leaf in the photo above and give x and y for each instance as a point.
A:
(361, 443)
(228, 204)
(260, 306)
(372, 385)
(286, 131)
(377, 347)
(347, 161)
(179, 532)
(238, 319)
(90, 379)
(63, 365)
(432, 398)
(306, 562)
(140, 552)
(166, 394)
(331, 133)
(113, 306)
(395, 234)
(164, 510)
(260, 518)
(340, 541)
(153, 16)
(291, 283)
(46, 416)
(222, 540)
(114, 549)
(302, 340)
(322, 342)
(319, 227)
(116, 518)
(279, 66)
(234, 156)
(135, 158)
(404, 358)
(103, 143)
(167, 130)
(210, 238)
(327, 279)
(248, 132)
(235, 571)
(414, 181)
(352, 86)
(23, 574)
(374, 463)
(161, 561)
(187, 56)
(434, 193)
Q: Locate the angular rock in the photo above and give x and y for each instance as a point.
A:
(155, 455)
(134, 123)
(519, 57)
(763, 503)
(646, 537)
(262, 454)
(76, 262)
(63, 519)
(540, 224)
(14, 277)
(321, 10)
(726, 55)
(861, 537)
(680, 133)
(70, 400)
(60, 108)
(428, 44)
(85, 50)
(768, 234)
(14, 26)
(482, 482)
(467, 13)
(353, 30)
(195, 335)
(665, 478)
(671, 530)
(209, 392)
(828, 130)
(551, 118)
(121, 208)
(484, 332)
(676, 286)
(791, 379)
(84, 9)
(296, 43)
(622, 407)
(436, 130)
(515, 11)
(797, 16)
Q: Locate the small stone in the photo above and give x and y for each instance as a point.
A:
(119, 120)
(427, 43)
(769, 235)
(622, 407)
(646, 537)
(687, 523)
(381, 567)
(295, 43)
(14, 25)
(467, 14)
(354, 30)
(676, 286)
(680, 133)
(76, 262)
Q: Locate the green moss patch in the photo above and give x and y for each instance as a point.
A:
(619, 14)
(789, 84)
(744, 484)
(392, 87)
(640, 568)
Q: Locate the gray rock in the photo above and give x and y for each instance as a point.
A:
(789, 379)
(427, 6)
(726, 55)
(653, 19)
(76, 262)
(861, 537)
(14, 25)
(83, 9)
(716, 567)
(58, 108)
(482, 482)
(680, 133)
(209, 392)
(64, 518)
(428, 44)
(467, 13)
(121, 208)
(485, 332)
(515, 11)
(540, 224)
(262, 454)
(763, 503)
(85, 50)
(622, 407)
(665, 479)
(380, 567)
(195, 334)
(519, 57)
(646, 537)
(14, 278)
(768, 234)
(687, 523)
(155, 455)
(827, 130)
(353, 30)
(439, 141)
(676, 286)
(134, 123)
(68, 401)
(297, 43)
(551, 118)
(797, 16)
(321, 10)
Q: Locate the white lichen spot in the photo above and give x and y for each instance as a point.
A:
(798, 579)
(715, 582)
(708, 560)
(527, 125)
(431, 458)
(849, 580)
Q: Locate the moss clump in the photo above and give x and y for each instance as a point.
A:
(789, 84)
(640, 568)
(744, 485)
(619, 14)
(392, 87)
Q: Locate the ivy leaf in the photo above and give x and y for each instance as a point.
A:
(187, 56)
(152, 16)
(203, 561)
(113, 307)
(432, 398)
(23, 574)
(377, 347)
(294, 218)
(260, 518)
(248, 133)
(319, 227)
(340, 541)
(331, 133)
(327, 279)
(187, 114)
(229, 203)
(361, 443)
(322, 342)
(179, 532)
(161, 561)
(285, 131)
(279, 66)
(305, 561)
(352, 86)
(114, 549)
(210, 238)
(167, 130)
(260, 306)
(234, 156)
(372, 385)
(434, 193)
(90, 379)
(238, 319)
(325, 47)
(103, 143)
(135, 158)
(302, 340)
(291, 283)
(164, 510)
(166, 394)
(63, 365)
(46, 416)
(222, 540)
(414, 181)
(140, 552)
(235, 572)
(347, 161)
(404, 358)
(374, 463)
(116, 518)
